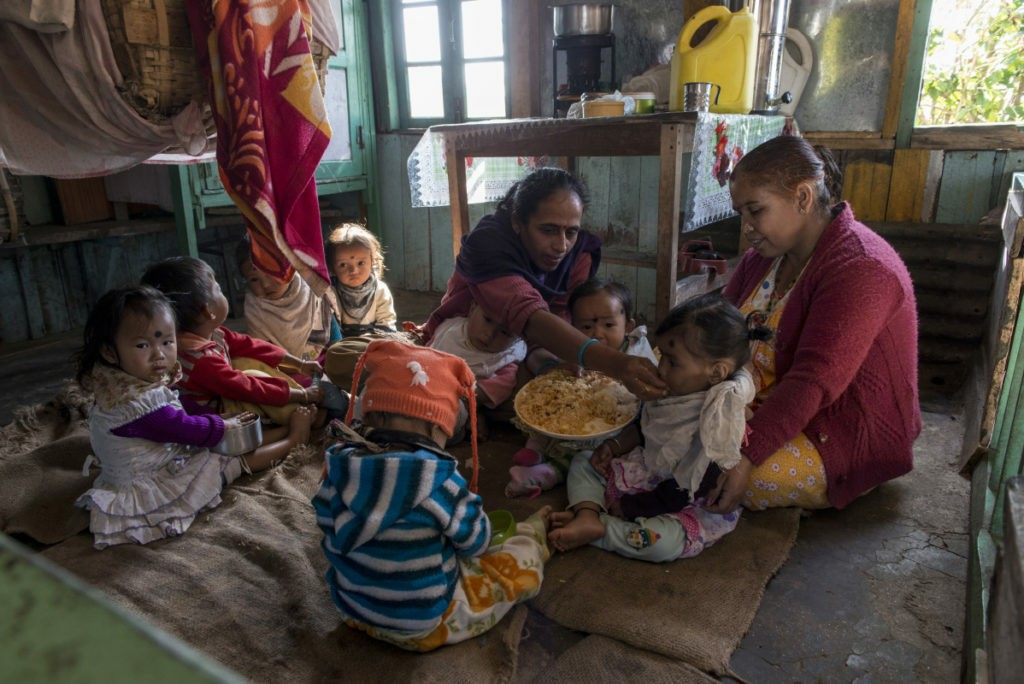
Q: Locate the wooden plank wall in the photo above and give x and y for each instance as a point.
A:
(50, 288)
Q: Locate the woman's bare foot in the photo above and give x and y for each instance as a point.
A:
(584, 527)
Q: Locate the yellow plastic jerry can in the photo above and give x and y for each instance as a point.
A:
(727, 56)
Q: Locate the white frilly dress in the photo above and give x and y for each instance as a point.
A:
(145, 490)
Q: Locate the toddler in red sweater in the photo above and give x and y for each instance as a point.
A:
(229, 370)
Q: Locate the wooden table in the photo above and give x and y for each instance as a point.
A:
(667, 136)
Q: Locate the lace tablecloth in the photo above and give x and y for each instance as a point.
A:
(487, 178)
(720, 140)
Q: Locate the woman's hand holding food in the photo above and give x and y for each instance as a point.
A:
(726, 496)
(640, 377)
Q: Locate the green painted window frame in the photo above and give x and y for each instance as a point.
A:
(452, 62)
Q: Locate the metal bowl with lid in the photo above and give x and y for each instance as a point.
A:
(583, 19)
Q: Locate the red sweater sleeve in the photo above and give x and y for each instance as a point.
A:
(242, 345)
(213, 375)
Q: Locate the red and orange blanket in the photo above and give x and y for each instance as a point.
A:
(272, 126)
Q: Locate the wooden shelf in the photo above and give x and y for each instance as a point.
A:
(52, 234)
(628, 257)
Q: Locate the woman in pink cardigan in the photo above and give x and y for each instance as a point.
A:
(837, 409)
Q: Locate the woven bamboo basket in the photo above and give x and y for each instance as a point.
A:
(152, 45)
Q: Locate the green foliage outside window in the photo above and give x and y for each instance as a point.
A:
(974, 67)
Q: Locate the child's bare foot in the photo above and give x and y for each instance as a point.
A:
(542, 517)
(584, 527)
(561, 519)
(300, 423)
(540, 522)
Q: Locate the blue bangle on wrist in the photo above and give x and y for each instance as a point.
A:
(583, 348)
(548, 363)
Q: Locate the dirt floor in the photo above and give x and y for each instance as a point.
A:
(872, 593)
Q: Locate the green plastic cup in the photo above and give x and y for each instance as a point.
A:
(503, 525)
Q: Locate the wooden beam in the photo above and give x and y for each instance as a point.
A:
(914, 67)
(849, 140)
(898, 74)
(524, 50)
(866, 187)
(1002, 136)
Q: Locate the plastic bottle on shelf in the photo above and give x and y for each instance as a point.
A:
(726, 56)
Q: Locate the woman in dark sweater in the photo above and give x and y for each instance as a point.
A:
(837, 409)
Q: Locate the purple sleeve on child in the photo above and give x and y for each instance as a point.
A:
(168, 424)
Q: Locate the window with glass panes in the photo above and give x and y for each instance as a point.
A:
(452, 60)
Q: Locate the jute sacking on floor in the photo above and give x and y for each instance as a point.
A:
(600, 659)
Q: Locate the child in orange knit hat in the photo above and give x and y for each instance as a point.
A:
(409, 546)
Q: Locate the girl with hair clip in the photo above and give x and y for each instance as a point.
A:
(641, 493)
(837, 406)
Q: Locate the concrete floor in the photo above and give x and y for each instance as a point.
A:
(872, 593)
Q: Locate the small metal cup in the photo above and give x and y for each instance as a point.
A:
(697, 96)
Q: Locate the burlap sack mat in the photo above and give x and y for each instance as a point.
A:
(696, 609)
(41, 456)
(246, 585)
(600, 659)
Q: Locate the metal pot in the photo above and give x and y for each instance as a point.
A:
(583, 19)
(240, 440)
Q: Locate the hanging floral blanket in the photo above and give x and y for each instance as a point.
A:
(272, 126)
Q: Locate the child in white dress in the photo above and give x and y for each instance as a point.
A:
(602, 309)
(156, 470)
(633, 495)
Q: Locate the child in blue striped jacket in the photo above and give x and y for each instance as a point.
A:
(409, 546)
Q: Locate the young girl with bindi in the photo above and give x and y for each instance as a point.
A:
(156, 468)
(356, 259)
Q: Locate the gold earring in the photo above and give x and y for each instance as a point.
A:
(211, 315)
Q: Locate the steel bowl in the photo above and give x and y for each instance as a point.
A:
(240, 440)
(584, 19)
